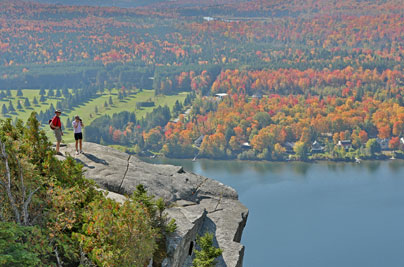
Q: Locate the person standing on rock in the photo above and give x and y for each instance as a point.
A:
(56, 126)
(78, 134)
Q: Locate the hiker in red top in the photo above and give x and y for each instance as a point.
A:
(56, 125)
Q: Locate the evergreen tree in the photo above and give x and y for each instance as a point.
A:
(10, 106)
(206, 257)
(51, 93)
(19, 93)
(2, 95)
(27, 104)
(4, 109)
(59, 105)
(110, 100)
(65, 92)
(105, 104)
(19, 106)
(58, 93)
(373, 147)
(9, 93)
(42, 99)
(42, 92)
(68, 123)
(177, 107)
(35, 101)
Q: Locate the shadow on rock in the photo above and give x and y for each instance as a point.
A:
(95, 159)
(209, 226)
(83, 163)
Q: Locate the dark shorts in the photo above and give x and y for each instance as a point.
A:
(78, 136)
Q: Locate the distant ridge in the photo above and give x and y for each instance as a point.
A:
(103, 3)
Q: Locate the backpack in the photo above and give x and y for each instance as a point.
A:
(50, 125)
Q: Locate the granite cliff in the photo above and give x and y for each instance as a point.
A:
(198, 204)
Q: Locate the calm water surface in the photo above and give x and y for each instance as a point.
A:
(316, 214)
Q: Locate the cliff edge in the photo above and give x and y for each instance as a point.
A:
(198, 204)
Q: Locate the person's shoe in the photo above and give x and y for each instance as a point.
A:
(81, 152)
(77, 153)
(59, 153)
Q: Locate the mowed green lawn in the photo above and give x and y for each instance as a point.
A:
(87, 111)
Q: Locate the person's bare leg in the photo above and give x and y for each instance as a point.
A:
(57, 146)
(77, 148)
(81, 145)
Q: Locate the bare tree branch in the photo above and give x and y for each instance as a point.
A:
(57, 257)
(21, 180)
(8, 184)
(24, 211)
(25, 207)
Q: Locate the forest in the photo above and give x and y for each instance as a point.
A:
(297, 80)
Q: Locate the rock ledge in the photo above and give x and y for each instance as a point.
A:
(199, 204)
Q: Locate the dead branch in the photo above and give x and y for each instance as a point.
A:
(25, 206)
(7, 184)
(57, 257)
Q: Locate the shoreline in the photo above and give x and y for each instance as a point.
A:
(276, 161)
(383, 158)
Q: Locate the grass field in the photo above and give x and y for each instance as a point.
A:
(26, 112)
(87, 110)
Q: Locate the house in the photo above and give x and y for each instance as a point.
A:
(245, 145)
(402, 140)
(383, 142)
(346, 144)
(199, 140)
(289, 147)
(257, 96)
(220, 96)
(317, 148)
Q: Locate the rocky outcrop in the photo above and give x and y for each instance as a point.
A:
(199, 204)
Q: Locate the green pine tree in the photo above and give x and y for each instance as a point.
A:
(19, 106)
(19, 93)
(4, 109)
(27, 104)
(206, 257)
(51, 93)
(35, 101)
(10, 107)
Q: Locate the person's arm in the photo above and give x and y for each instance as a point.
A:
(53, 124)
(75, 124)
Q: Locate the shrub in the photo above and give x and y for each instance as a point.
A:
(206, 257)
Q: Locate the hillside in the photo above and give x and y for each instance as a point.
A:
(304, 73)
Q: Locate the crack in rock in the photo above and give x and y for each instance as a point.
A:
(124, 175)
(199, 186)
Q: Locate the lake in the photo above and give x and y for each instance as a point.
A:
(316, 214)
